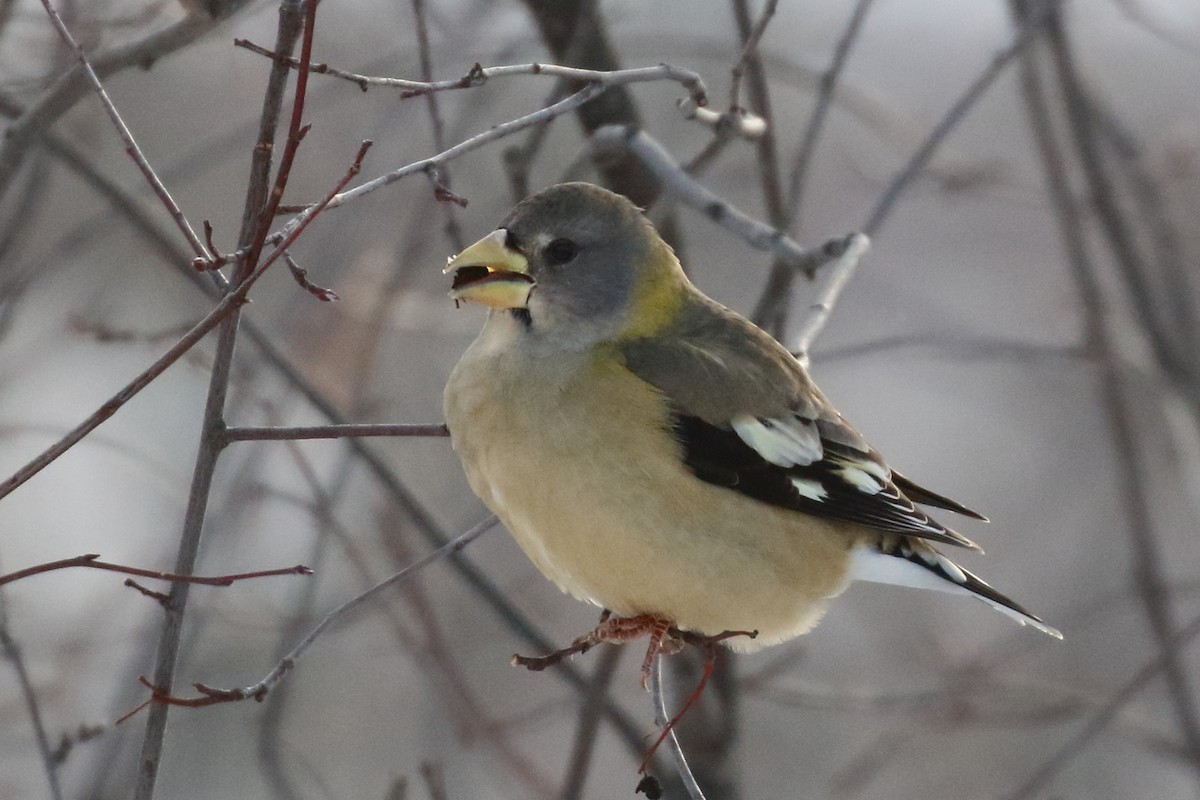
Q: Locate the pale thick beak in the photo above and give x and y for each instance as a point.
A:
(491, 273)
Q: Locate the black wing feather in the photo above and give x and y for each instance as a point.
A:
(717, 455)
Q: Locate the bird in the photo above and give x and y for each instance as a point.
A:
(661, 457)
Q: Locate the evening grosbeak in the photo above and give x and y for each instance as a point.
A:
(660, 456)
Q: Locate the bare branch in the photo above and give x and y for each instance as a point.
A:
(1103, 718)
(228, 305)
(72, 85)
(1030, 26)
(91, 560)
(820, 111)
(662, 718)
(1146, 548)
(257, 217)
(259, 690)
(749, 48)
(478, 75)
(840, 273)
(654, 156)
(771, 308)
(440, 178)
(244, 434)
(11, 651)
(131, 146)
(301, 276)
(590, 714)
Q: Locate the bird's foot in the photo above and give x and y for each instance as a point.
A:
(664, 638)
(709, 645)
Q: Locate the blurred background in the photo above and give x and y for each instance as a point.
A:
(1022, 337)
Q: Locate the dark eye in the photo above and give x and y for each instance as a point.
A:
(560, 251)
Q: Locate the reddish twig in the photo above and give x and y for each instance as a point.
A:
(258, 691)
(162, 598)
(301, 276)
(91, 560)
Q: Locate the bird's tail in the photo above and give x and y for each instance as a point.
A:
(905, 561)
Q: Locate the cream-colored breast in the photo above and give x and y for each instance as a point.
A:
(589, 480)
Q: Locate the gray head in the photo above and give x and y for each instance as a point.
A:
(572, 261)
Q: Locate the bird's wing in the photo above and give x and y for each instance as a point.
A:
(749, 418)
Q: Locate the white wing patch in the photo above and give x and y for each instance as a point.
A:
(784, 441)
(813, 490)
(866, 475)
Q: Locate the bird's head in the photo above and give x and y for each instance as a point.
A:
(576, 263)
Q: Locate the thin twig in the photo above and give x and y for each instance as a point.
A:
(820, 111)
(11, 650)
(758, 235)
(301, 277)
(72, 85)
(249, 433)
(1056, 761)
(228, 305)
(661, 718)
(1175, 352)
(440, 178)
(479, 75)
(749, 48)
(1121, 417)
(258, 691)
(131, 146)
(491, 596)
(257, 217)
(1174, 271)
(772, 305)
(1139, 16)
(1030, 26)
(598, 84)
(90, 560)
(519, 158)
(840, 273)
(766, 150)
(588, 722)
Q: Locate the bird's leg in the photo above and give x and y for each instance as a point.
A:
(710, 662)
(709, 643)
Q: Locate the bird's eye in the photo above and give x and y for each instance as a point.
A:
(560, 251)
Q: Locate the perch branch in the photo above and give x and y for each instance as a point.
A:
(258, 691)
(91, 560)
(620, 138)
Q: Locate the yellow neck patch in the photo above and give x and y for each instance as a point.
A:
(658, 296)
